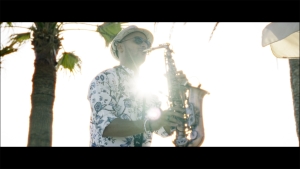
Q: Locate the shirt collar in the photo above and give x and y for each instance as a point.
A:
(129, 71)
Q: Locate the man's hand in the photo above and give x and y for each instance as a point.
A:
(183, 81)
(171, 117)
(181, 77)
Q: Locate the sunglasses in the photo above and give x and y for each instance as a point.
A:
(138, 40)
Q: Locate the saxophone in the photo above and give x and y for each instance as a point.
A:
(191, 134)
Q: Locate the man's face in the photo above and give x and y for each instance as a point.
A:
(134, 44)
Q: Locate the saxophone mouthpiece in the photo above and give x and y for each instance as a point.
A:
(147, 50)
(165, 45)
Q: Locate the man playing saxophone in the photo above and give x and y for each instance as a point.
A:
(118, 111)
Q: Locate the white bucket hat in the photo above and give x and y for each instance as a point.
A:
(125, 32)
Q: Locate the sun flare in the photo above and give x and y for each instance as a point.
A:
(153, 113)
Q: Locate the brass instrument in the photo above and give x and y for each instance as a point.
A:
(192, 133)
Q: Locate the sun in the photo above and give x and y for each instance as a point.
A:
(152, 80)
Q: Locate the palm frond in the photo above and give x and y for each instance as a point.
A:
(59, 26)
(14, 39)
(53, 25)
(19, 38)
(32, 28)
(69, 61)
(213, 30)
(8, 23)
(39, 25)
(109, 30)
(7, 50)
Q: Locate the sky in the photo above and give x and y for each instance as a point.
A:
(250, 102)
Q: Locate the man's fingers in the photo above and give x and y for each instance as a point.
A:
(175, 114)
(180, 73)
(175, 119)
(170, 121)
(181, 76)
(172, 124)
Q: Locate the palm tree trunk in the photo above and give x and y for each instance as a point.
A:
(43, 89)
(42, 99)
(294, 74)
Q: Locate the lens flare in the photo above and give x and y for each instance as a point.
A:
(153, 113)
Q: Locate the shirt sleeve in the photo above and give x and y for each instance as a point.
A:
(102, 99)
(162, 132)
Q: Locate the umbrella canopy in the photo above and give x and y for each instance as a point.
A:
(283, 38)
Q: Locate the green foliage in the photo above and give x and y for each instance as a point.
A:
(8, 23)
(53, 25)
(7, 50)
(39, 25)
(109, 30)
(47, 27)
(32, 28)
(69, 61)
(14, 39)
(19, 38)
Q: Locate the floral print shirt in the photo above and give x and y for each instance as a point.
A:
(112, 94)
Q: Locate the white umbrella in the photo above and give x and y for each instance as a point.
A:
(283, 38)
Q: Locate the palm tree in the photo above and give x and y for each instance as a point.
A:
(46, 43)
(294, 76)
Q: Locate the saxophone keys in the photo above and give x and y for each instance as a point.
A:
(180, 128)
(191, 120)
(181, 141)
(188, 111)
(191, 108)
(193, 135)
